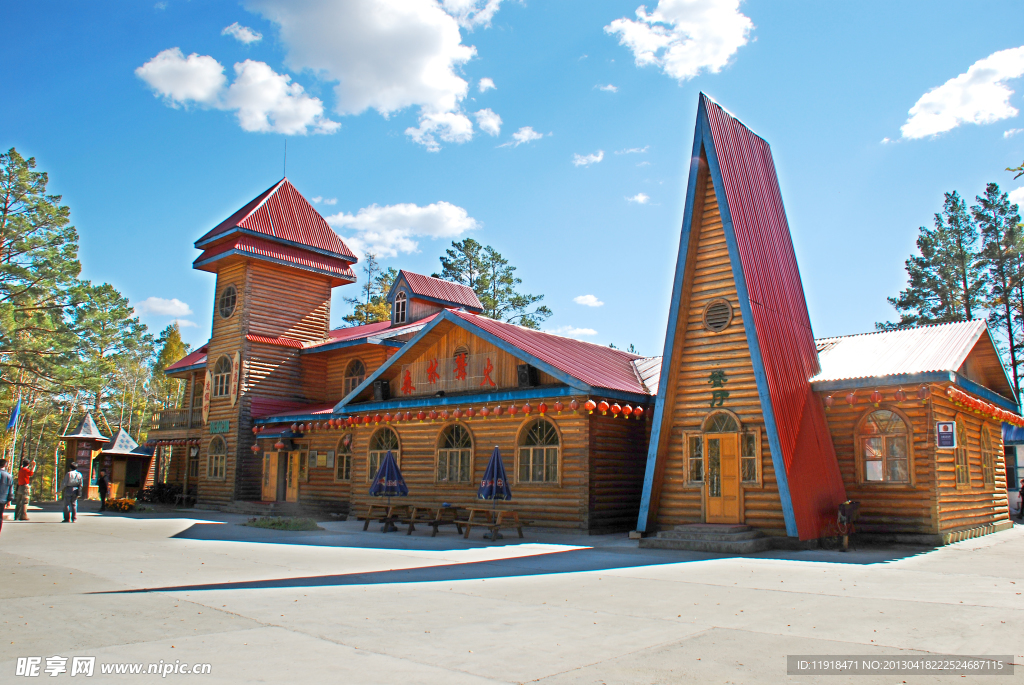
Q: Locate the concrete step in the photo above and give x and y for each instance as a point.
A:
(705, 537)
(708, 535)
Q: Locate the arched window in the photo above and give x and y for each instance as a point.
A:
(355, 374)
(455, 455)
(961, 455)
(721, 422)
(883, 441)
(988, 457)
(222, 377)
(226, 304)
(216, 458)
(383, 440)
(399, 313)
(538, 453)
(343, 468)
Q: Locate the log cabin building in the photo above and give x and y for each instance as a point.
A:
(746, 420)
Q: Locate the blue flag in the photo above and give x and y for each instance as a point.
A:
(14, 415)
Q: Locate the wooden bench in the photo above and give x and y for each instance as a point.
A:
(485, 518)
(433, 516)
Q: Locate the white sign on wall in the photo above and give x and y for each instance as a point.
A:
(945, 435)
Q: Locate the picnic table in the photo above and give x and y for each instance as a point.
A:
(433, 515)
(384, 513)
(493, 520)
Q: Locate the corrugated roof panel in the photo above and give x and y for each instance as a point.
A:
(440, 289)
(191, 359)
(649, 371)
(257, 247)
(939, 347)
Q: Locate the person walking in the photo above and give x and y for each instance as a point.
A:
(1020, 513)
(25, 473)
(6, 489)
(72, 488)
(101, 487)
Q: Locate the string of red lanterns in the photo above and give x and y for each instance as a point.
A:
(962, 399)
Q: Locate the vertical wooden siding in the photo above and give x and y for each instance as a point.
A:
(618, 456)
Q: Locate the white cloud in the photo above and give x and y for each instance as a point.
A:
(1012, 132)
(644, 164)
(977, 96)
(488, 121)
(633, 150)
(523, 135)
(588, 301)
(639, 198)
(181, 80)
(185, 323)
(486, 84)
(266, 101)
(391, 229)
(573, 332)
(608, 88)
(385, 55)
(1017, 196)
(158, 306)
(685, 37)
(262, 99)
(587, 160)
(472, 13)
(327, 201)
(243, 34)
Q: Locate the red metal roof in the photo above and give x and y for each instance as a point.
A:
(257, 248)
(191, 359)
(282, 212)
(440, 289)
(267, 340)
(780, 316)
(596, 365)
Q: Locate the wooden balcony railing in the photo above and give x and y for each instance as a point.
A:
(177, 418)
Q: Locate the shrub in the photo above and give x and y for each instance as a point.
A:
(282, 523)
(121, 504)
(162, 493)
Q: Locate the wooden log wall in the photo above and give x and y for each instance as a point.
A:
(976, 504)
(887, 507)
(561, 505)
(699, 353)
(618, 459)
(287, 303)
(323, 373)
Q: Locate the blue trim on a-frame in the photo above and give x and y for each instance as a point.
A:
(702, 138)
(642, 523)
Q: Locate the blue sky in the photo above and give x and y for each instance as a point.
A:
(155, 123)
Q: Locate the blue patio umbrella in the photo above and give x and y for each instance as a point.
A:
(389, 483)
(494, 485)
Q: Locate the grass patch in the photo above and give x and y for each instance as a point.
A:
(282, 523)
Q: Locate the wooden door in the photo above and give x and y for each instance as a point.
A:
(292, 481)
(117, 478)
(269, 477)
(722, 484)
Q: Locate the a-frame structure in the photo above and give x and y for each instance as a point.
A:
(738, 435)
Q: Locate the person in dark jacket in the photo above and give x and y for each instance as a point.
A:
(6, 489)
(101, 487)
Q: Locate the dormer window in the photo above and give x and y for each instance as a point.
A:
(399, 307)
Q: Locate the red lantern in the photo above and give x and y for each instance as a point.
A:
(616, 410)
(295, 428)
(444, 414)
(559, 406)
(542, 408)
(456, 414)
(602, 406)
(421, 415)
(262, 428)
(278, 445)
(512, 409)
(638, 412)
(255, 448)
(470, 413)
(432, 415)
(377, 418)
(851, 398)
(387, 417)
(527, 409)
(900, 396)
(876, 397)
(829, 401)
(574, 405)
(255, 430)
(923, 392)
(590, 406)
(498, 410)
(627, 410)
(484, 412)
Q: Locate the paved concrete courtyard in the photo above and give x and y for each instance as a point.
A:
(346, 606)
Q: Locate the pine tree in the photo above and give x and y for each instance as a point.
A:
(166, 390)
(999, 222)
(947, 281)
(464, 263)
(502, 301)
(372, 305)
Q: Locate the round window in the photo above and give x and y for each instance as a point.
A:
(226, 306)
(717, 315)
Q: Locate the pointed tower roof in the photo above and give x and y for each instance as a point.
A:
(279, 225)
(87, 430)
(124, 444)
(775, 318)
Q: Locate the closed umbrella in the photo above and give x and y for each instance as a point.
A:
(494, 485)
(389, 483)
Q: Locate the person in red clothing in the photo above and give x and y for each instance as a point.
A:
(25, 473)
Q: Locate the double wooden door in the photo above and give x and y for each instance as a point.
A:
(722, 479)
(281, 476)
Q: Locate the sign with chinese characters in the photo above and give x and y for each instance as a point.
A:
(207, 389)
(449, 374)
(235, 374)
(219, 427)
(717, 381)
(945, 435)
